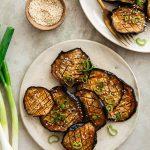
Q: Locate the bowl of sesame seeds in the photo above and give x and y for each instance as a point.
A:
(45, 14)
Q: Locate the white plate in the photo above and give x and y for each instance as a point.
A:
(39, 74)
(94, 14)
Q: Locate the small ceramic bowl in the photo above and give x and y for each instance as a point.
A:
(41, 27)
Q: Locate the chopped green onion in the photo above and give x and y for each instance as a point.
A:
(85, 78)
(94, 117)
(109, 108)
(118, 116)
(111, 130)
(109, 99)
(87, 66)
(69, 80)
(140, 2)
(77, 145)
(58, 117)
(141, 42)
(53, 139)
(62, 106)
(100, 85)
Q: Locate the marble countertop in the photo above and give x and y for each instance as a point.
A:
(29, 42)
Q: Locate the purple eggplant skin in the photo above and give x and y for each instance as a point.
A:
(110, 74)
(148, 9)
(121, 2)
(72, 107)
(75, 127)
(62, 74)
(129, 91)
(43, 107)
(87, 116)
(124, 30)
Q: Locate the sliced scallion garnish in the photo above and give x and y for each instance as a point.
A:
(87, 66)
(85, 78)
(69, 80)
(111, 130)
(94, 117)
(109, 108)
(141, 42)
(140, 2)
(53, 139)
(77, 145)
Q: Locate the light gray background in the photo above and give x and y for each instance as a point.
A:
(29, 42)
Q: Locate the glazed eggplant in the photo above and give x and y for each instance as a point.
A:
(37, 101)
(106, 85)
(81, 137)
(127, 106)
(148, 9)
(66, 111)
(128, 20)
(71, 67)
(93, 107)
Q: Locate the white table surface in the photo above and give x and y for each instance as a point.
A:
(29, 42)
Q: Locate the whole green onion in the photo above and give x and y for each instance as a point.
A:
(5, 79)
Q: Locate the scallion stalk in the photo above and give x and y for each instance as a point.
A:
(5, 43)
(4, 144)
(3, 117)
(5, 78)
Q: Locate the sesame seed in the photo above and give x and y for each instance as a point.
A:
(46, 12)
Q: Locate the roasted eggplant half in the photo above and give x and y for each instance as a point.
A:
(148, 9)
(80, 137)
(106, 85)
(93, 107)
(37, 101)
(71, 67)
(127, 106)
(128, 20)
(66, 111)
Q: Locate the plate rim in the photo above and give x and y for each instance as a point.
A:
(114, 42)
(111, 51)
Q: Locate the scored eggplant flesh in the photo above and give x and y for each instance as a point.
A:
(81, 137)
(71, 67)
(127, 106)
(106, 85)
(66, 111)
(37, 101)
(128, 20)
(94, 107)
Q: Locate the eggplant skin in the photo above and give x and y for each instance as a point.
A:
(148, 9)
(37, 101)
(128, 20)
(66, 111)
(68, 67)
(93, 107)
(85, 134)
(122, 1)
(106, 85)
(127, 106)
